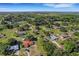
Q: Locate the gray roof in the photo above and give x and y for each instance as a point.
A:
(1, 35)
(21, 32)
(14, 47)
(53, 37)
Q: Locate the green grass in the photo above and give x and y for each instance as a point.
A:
(10, 33)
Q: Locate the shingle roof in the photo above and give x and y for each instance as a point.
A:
(27, 43)
(2, 35)
(53, 37)
(14, 47)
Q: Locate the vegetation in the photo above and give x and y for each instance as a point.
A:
(38, 27)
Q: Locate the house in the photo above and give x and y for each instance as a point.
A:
(77, 43)
(2, 35)
(55, 27)
(20, 33)
(14, 44)
(27, 43)
(65, 36)
(14, 47)
(77, 46)
(53, 37)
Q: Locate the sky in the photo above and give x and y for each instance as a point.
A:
(49, 7)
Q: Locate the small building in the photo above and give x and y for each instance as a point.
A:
(53, 37)
(65, 36)
(20, 33)
(27, 43)
(55, 27)
(14, 46)
(2, 35)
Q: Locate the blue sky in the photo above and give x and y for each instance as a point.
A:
(58, 7)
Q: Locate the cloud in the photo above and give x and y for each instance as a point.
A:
(3, 8)
(61, 5)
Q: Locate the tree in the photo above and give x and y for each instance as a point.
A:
(76, 34)
(2, 48)
(69, 46)
(49, 47)
(1, 27)
(58, 52)
(46, 48)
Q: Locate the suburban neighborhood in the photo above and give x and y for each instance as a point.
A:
(39, 34)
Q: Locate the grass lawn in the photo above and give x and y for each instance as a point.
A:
(10, 33)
